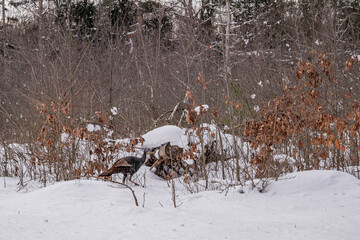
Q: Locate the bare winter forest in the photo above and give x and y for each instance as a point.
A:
(281, 76)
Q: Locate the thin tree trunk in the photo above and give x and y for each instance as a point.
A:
(221, 153)
(70, 79)
(227, 80)
(153, 78)
(4, 38)
(41, 49)
(111, 78)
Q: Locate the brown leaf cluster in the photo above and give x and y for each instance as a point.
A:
(349, 64)
(300, 110)
(58, 121)
(191, 116)
(201, 80)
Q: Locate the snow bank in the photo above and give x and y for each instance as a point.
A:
(314, 182)
(306, 205)
(161, 135)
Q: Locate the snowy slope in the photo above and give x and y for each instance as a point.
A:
(305, 205)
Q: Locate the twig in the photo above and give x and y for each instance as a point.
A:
(119, 183)
(143, 205)
(173, 192)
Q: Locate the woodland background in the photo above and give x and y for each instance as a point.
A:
(147, 57)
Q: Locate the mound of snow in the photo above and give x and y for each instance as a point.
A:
(88, 209)
(161, 135)
(314, 182)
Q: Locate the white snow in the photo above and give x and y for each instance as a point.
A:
(253, 96)
(189, 161)
(314, 182)
(202, 108)
(90, 127)
(114, 111)
(161, 135)
(65, 137)
(304, 205)
(300, 205)
(93, 128)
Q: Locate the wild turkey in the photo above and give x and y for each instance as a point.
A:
(126, 165)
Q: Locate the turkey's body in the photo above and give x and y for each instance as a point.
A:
(127, 165)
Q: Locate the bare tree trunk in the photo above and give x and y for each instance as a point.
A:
(40, 9)
(222, 157)
(227, 80)
(155, 79)
(70, 78)
(4, 33)
(203, 160)
(41, 46)
(153, 76)
(111, 78)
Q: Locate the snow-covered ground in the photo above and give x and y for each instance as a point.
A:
(304, 205)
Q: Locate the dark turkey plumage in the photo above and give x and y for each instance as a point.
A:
(127, 165)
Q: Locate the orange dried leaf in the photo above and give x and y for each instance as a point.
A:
(198, 132)
(103, 118)
(201, 78)
(53, 106)
(188, 95)
(141, 140)
(214, 112)
(337, 144)
(342, 148)
(191, 117)
(294, 153)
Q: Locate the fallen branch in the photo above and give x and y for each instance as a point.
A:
(155, 163)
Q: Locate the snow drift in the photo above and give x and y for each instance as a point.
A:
(305, 205)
